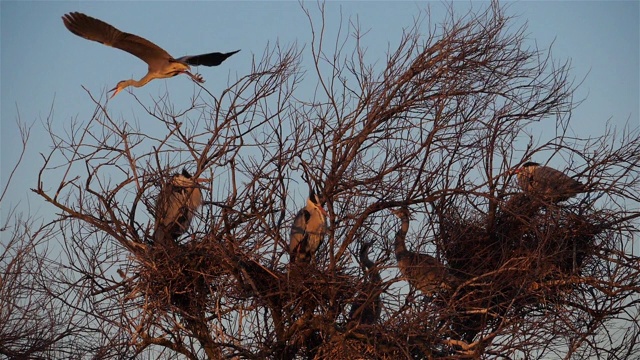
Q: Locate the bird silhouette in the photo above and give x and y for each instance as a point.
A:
(161, 64)
(367, 308)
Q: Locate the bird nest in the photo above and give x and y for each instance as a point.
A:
(525, 254)
(180, 275)
(347, 349)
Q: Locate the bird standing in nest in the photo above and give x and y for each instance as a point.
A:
(423, 271)
(175, 207)
(547, 183)
(308, 230)
(161, 64)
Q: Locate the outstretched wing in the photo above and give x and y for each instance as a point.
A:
(211, 59)
(98, 30)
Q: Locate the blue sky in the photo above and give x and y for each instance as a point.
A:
(44, 66)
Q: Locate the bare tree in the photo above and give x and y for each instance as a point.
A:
(436, 129)
(35, 322)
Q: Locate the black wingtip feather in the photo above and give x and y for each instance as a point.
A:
(211, 59)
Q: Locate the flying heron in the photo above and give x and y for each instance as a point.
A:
(161, 64)
(176, 204)
(308, 229)
(549, 183)
(423, 271)
(367, 308)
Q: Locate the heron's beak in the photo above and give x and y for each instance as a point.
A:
(115, 92)
(202, 181)
(323, 211)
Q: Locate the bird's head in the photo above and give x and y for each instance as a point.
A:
(121, 85)
(402, 212)
(527, 167)
(315, 201)
(185, 180)
(365, 246)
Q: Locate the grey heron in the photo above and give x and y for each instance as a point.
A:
(176, 204)
(423, 271)
(308, 230)
(367, 308)
(546, 182)
(161, 64)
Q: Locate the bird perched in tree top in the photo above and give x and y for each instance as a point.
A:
(161, 64)
(176, 204)
(424, 272)
(547, 183)
(308, 229)
(368, 306)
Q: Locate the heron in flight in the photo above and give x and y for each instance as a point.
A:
(308, 229)
(161, 64)
(549, 183)
(423, 271)
(176, 204)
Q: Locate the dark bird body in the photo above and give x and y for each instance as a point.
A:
(176, 204)
(423, 271)
(308, 230)
(161, 64)
(547, 183)
(367, 308)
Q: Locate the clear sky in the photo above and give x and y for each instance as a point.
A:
(44, 66)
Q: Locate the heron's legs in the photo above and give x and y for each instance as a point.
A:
(196, 77)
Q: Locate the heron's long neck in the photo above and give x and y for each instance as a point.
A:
(138, 83)
(195, 198)
(371, 271)
(399, 244)
(317, 211)
(364, 259)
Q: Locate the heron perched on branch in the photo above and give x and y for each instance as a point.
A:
(176, 204)
(423, 271)
(367, 308)
(308, 229)
(546, 182)
(161, 64)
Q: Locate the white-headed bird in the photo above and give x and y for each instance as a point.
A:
(547, 183)
(308, 230)
(176, 204)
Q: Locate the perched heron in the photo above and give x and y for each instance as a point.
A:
(177, 202)
(549, 183)
(367, 308)
(308, 230)
(161, 64)
(424, 272)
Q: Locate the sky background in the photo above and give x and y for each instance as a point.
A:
(44, 66)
